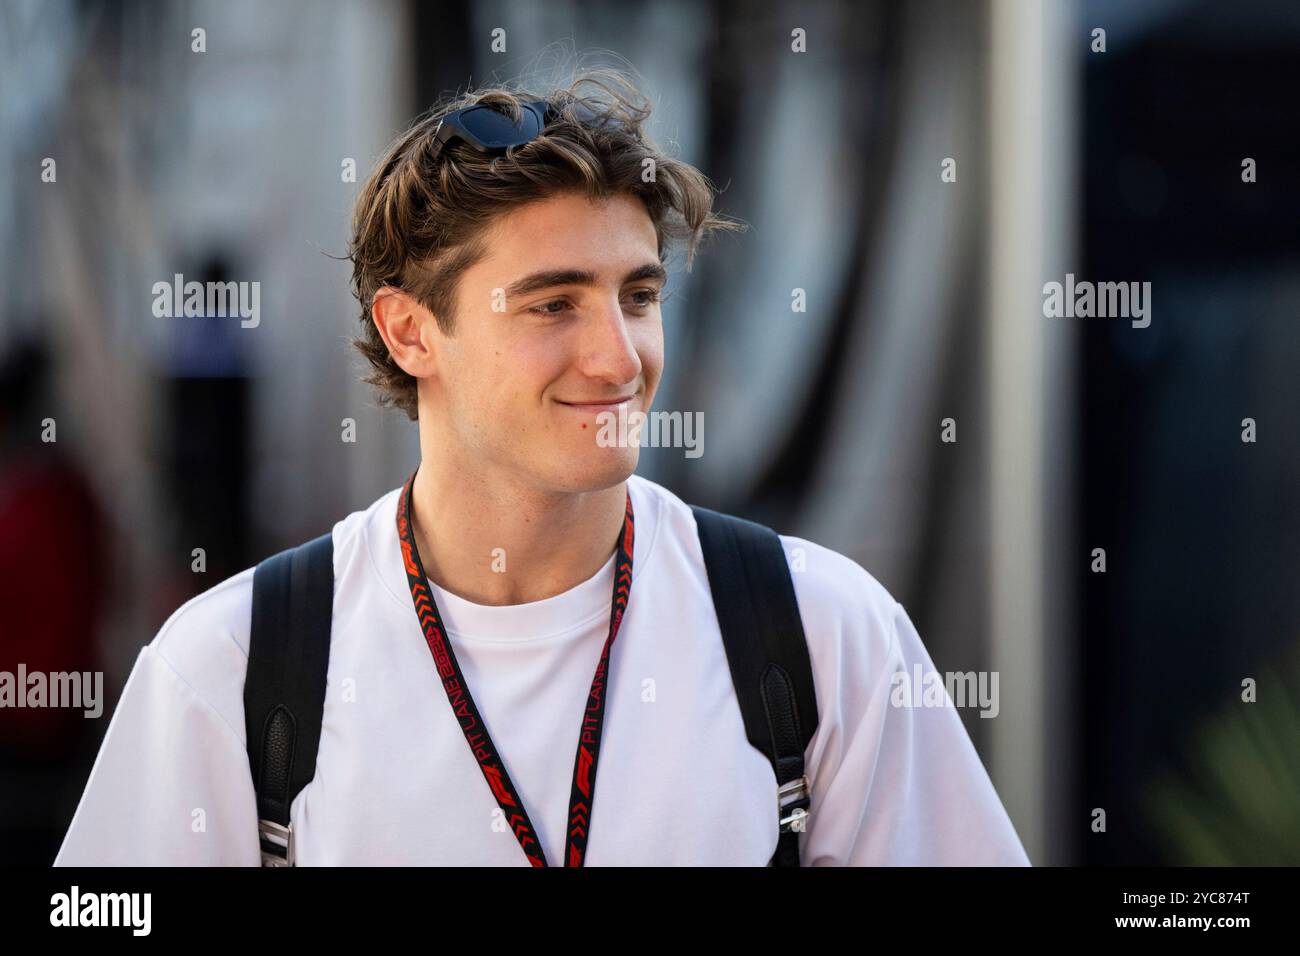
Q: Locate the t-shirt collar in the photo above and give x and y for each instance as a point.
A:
(573, 610)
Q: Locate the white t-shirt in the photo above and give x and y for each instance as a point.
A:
(678, 781)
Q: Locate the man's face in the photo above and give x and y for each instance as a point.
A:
(529, 349)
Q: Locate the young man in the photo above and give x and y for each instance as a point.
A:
(509, 267)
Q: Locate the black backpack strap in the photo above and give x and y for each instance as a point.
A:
(284, 692)
(758, 615)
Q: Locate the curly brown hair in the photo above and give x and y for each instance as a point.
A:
(420, 220)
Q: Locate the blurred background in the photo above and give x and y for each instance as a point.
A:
(1120, 691)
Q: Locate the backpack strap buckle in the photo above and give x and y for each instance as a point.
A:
(793, 799)
(277, 843)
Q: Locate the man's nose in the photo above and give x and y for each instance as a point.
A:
(608, 351)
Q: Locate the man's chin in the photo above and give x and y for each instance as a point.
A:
(598, 469)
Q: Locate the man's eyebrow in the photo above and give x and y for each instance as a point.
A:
(555, 277)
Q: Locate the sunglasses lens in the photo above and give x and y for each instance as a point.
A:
(494, 129)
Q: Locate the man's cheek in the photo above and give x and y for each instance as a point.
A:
(651, 350)
(652, 367)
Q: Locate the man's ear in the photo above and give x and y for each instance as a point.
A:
(407, 328)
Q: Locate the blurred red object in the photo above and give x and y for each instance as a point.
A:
(53, 581)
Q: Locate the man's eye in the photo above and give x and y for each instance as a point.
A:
(641, 299)
(546, 307)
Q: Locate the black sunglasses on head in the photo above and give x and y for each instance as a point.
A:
(490, 130)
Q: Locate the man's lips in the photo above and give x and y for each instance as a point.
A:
(599, 405)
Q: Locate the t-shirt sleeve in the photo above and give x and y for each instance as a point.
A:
(171, 784)
(901, 784)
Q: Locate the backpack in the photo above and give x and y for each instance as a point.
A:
(753, 596)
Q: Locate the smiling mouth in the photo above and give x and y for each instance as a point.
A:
(600, 405)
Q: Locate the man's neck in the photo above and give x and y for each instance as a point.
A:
(549, 541)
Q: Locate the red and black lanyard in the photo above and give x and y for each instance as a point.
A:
(466, 711)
